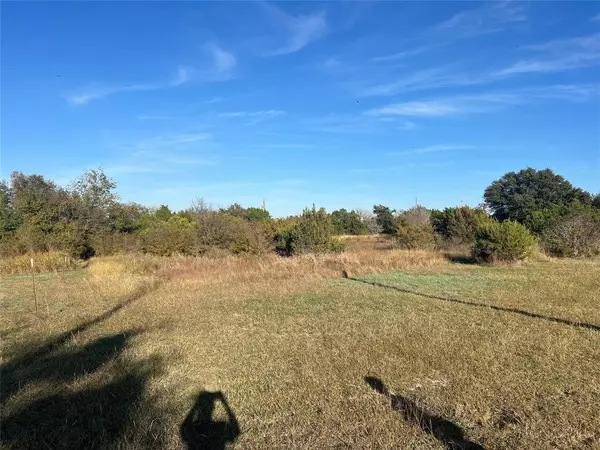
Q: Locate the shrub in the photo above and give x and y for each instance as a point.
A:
(283, 239)
(458, 226)
(245, 237)
(168, 237)
(538, 222)
(417, 216)
(576, 235)
(414, 237)
(313, 233)
(506, 241)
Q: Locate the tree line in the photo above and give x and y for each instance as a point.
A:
(86, 218)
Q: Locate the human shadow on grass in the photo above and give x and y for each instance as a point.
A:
(200, 431)
(447, 432)
(588, 326)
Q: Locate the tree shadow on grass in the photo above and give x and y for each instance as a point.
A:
(200, 431)
(459, 258)
(92, 417)
(588, 326)
(64, 395)
(447, 432)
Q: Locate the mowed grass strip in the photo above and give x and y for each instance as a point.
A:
(291, 356)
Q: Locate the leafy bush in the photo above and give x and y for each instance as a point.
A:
(417, 216)
(576, 235)
(458, 226)
(168, 237)
(413, 237)
(538, 222)
(348, 222)
(313, 233)
(506, 241)
(245, 237)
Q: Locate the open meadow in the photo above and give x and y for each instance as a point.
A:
(402, 350)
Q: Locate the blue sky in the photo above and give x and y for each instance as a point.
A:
(337, 104)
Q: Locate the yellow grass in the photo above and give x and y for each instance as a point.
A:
(42, 262)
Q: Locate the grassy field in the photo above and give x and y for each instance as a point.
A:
(408, 350)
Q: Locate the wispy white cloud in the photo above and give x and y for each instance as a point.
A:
(596, 18)
(284, 146)
(425, 79)
(491, 17)
(168, 141)
(158, 164)
(253, 117)
(485, 102)
(164, 153)
(418, 109)
(223, 64)
(408, 125)
(358, 123)
(405, 53)
(552, 56)
(94, 91)
(220, 67)
(568, 92)
(558, 55)
(296, 32)
(432, 149)
(256, 114)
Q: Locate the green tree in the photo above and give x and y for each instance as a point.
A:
(348, 222)
(163, 213)
(458, 226)
(38, 205)
(384, 216)
(9, 221)
(235, 210)
(93, 194)
(257, 215)
(517, 195)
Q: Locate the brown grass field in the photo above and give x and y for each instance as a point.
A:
(410, 350)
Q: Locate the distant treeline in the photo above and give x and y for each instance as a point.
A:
(88, 219)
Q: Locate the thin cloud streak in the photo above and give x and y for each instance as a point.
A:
(558, 55)
(255, 114)
(432, 149)
(489, 18)
(222, 64)
(405, 53)
(298, 31)
(486, 102)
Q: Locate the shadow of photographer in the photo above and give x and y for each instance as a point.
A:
(200, 431)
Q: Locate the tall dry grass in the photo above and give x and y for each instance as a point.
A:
(42, 262)
(268, 267)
